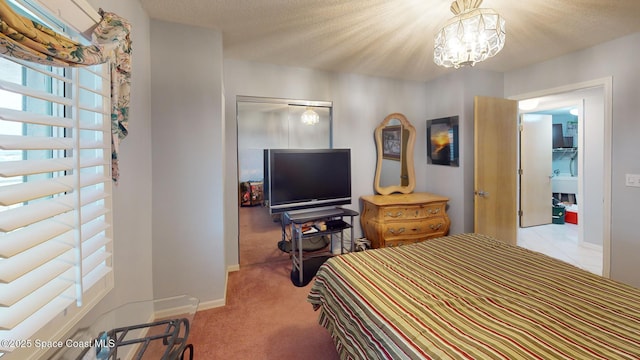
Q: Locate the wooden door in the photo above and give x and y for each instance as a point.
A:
(535, 170)
(496, 165)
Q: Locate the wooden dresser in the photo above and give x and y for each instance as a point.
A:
(398, 219)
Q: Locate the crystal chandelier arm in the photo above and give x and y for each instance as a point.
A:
(460, 6)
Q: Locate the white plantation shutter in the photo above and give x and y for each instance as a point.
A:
(55, 192)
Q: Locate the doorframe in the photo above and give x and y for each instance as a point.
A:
(581, 145)
(606, 84)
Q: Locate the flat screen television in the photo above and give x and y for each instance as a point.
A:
(308, 178)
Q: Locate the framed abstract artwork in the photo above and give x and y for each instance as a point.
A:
(442, 141)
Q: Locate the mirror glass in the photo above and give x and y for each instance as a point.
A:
(395, 138)
(269, 123)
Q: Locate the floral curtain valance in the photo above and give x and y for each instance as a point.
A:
(25, 39)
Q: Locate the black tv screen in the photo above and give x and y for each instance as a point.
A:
(308, 178)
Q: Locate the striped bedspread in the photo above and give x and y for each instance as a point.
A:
(472, 297)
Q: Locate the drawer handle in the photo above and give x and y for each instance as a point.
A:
(435, 226)
(394, 232)
(398, 214)
(433, 211)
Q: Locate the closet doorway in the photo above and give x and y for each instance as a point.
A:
(270, 123)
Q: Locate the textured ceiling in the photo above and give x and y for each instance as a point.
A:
(393, 38)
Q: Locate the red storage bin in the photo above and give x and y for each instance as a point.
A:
(571, 217)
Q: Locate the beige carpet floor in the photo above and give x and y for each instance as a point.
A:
(259, 236)
(266, 316)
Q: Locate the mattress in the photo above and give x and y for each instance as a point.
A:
(470, 296)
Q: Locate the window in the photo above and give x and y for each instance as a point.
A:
(55, 194)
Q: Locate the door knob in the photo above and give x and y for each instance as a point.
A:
(482, 193)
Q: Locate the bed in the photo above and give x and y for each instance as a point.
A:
(470, 296)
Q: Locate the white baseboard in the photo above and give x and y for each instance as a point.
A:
(219, 302)
(211, 304)
(165, 313)
(232, 268)
(591, 246)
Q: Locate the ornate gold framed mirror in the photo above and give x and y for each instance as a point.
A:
(395, 138)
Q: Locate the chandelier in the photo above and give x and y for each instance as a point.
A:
(310, 117)
(471, 36)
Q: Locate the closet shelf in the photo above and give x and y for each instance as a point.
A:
(560, 153)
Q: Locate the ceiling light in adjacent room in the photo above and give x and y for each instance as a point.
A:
(310, 117)
(528, 104)
(473, 35)
(574, 112)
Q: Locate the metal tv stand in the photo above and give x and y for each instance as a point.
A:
(333, 218)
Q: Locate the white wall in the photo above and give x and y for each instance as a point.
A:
(592, 149)
(188, 162)
(616, 58)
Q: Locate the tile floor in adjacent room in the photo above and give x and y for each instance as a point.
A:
(561, 242)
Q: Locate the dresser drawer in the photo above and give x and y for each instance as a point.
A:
(414, 229)
(392, 243)
(412, 212)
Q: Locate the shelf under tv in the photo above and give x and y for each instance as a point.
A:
(297, 220)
